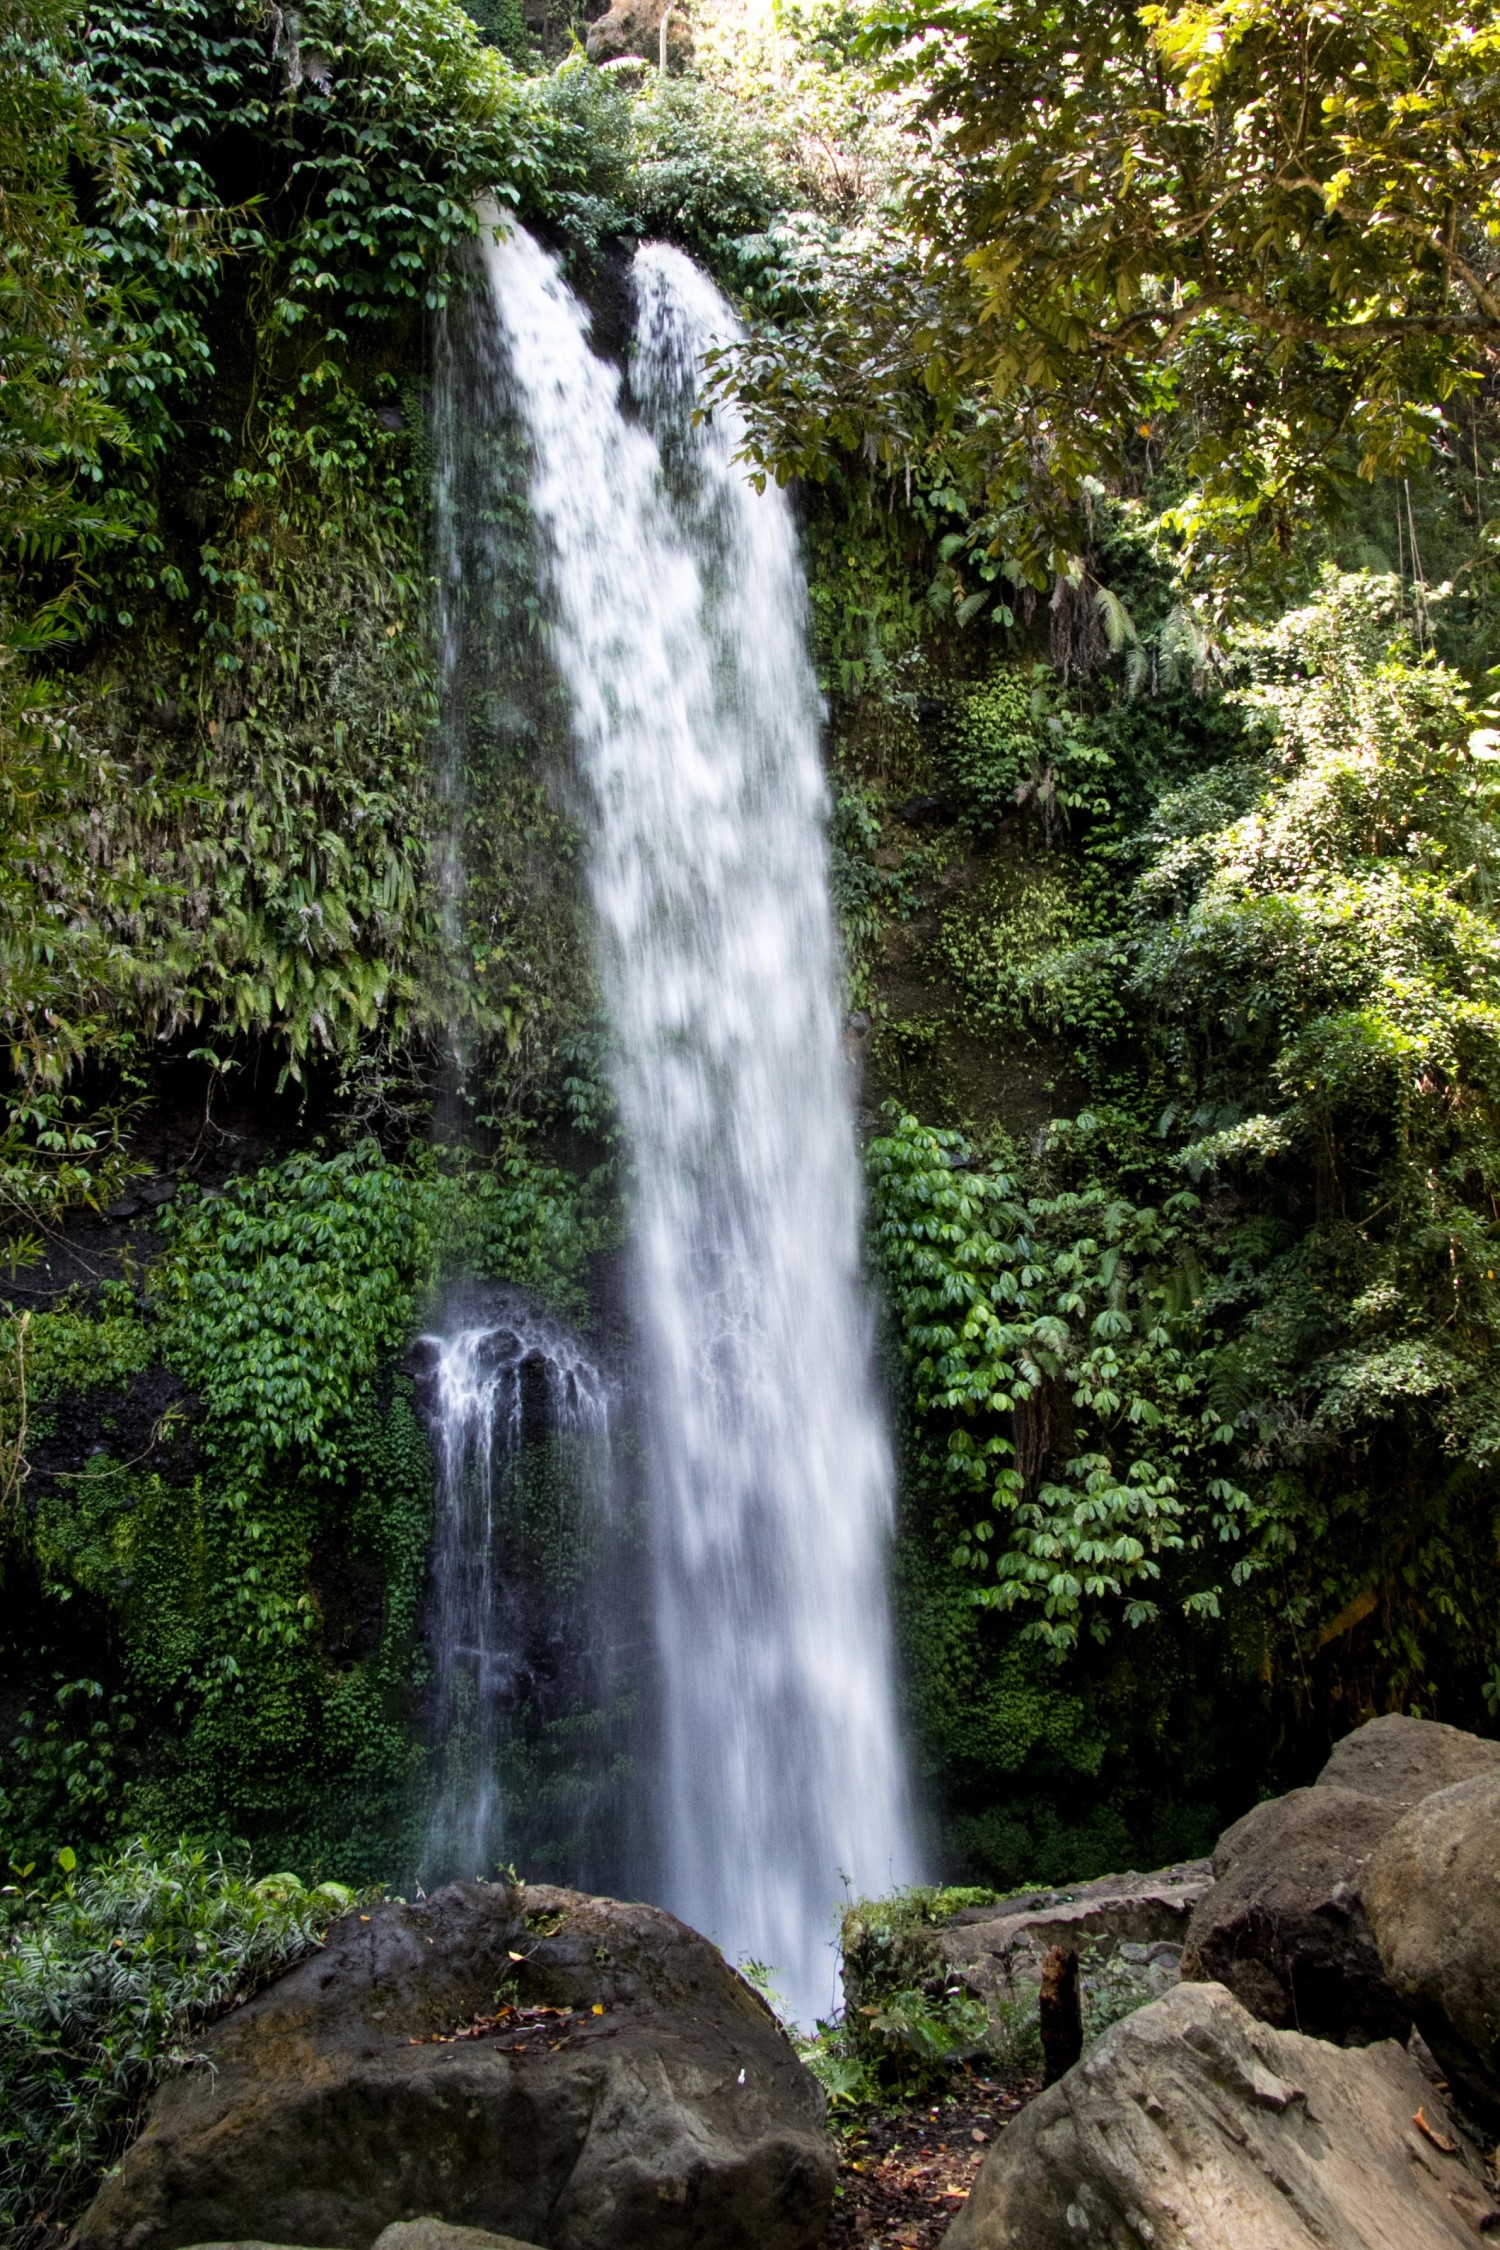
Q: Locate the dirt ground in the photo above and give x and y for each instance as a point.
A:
(904, 2173)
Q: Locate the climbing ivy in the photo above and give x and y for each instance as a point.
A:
(280, 1298)
(220, 1617)
(1052, 1341)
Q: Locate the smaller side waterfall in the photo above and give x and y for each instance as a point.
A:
(503, 1395)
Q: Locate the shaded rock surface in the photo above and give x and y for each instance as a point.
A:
(436, 2234)
(408, 2234)
(1134, 1922)
(1283, 1927)
(1432, 1893)
(567, 2070)
(1404, 1760)
(1192, 2126)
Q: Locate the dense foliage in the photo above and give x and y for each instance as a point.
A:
(215, 1616)
(1136, 370)
(1209, 1357)
(219, 824)
(1277, 218)
(106, 1972)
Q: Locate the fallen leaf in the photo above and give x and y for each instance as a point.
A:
(1438, 2140)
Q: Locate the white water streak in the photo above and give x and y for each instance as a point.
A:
(477, 1627)
(681, 635)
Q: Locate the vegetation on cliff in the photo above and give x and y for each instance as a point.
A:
(1137, 369)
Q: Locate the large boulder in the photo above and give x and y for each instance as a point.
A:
(531, 2062)
(1115, 1910)
(1192, 2126)
(1404, 1760)
(1283, 1926)
(1432, 1893)
(433, 2234)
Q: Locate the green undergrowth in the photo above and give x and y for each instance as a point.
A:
(908, 2022)
(108, 1972)
(911, 2026)
(1183, 1209)
(211, 1621)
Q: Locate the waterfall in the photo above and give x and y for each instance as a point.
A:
(519, 1374)
(679, 622)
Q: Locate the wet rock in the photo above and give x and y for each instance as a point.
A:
(929, 812)
(1404, 1760)
(528, 2062)
(142, 1195)
(1192, 2126)
(1283, 1926)
(1432, 1893)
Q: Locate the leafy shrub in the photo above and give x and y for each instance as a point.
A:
(928, 2031)
(280, 1296)
(889, 1946)
(104, 1978)
(678, 157)
(907, 2020)
(1027, 963)
(847, 2079)
(68, 1349)
(1053, 1354)
(1015, 743)
(1110, 1990)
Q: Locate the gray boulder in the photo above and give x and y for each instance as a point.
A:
(1191, 2126)
(527, 2062)
(435, 2234)
(1283, 1927)
(1432, 1892)
(1404, 1760)
(1116, 1910)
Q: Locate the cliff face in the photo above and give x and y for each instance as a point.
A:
(1158, 936)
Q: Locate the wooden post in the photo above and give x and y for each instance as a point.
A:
(1061, 2011)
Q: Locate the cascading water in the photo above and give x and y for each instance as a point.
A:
(490, 1385)
(679, 622)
